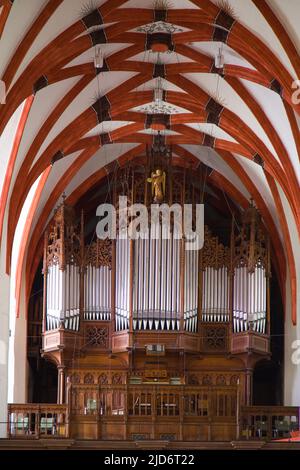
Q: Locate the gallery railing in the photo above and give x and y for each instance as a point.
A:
(188, 413)
(36, 421)
(269, 422)
(154, 400)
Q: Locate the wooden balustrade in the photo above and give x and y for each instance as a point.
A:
(150, 400)
(126, 412)
(37, 421)
(269, 422)
(152, 411)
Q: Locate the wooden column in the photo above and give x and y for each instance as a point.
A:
(69, 405)
(61, 385)
(153, 413)
(181, 413)
(248, 387)
(238, 407)
(126, 408)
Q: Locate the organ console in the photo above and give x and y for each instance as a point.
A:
(147, 311)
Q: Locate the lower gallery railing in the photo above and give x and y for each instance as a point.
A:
(151, 412)
(269, 422)
(37, 421)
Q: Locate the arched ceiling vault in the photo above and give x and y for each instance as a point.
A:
(241, 120)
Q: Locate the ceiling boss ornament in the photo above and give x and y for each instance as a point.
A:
(159, 32)
(159, 27)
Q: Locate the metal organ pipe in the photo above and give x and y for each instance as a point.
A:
(168, 283)
(97, 285)
(146, 275)
(117, 311)
(191, 290)
(90, 270)
(178, 293)
(175, 287)
(122, 284)
(136, 288)
(140, 258)
(215, 294)
(249, 306)
(163, 284)
(94, 291)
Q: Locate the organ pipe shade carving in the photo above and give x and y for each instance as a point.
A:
(97, 280)
(251, 260)
(62, 266)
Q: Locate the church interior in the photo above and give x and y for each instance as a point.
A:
(149, 341)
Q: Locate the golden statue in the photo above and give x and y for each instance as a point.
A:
(158, 182)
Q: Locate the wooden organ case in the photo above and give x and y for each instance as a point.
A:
(153, 341)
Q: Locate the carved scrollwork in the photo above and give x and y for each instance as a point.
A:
(167, 437)
(221, 380)
(117, 379)
(251, 245)
(88, 379)
(140, 437)
(64, 239)
(214, 254)
(207, 380)
(103, 379)
(97, 337)
(234, 379)
(75, 378)
(215, 338)
(193, 380)
(99, 253)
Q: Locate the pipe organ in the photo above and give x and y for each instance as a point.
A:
(157, 281)
(150, 305)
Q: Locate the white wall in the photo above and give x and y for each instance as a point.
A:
(7, 140)
(4, 321)
(17, 357)
(292, 356)
(292, 333)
